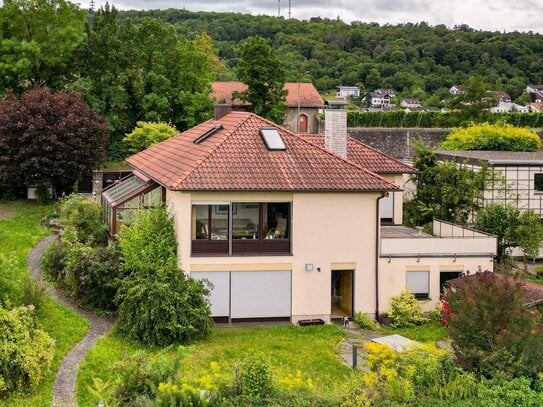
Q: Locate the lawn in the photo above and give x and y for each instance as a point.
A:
(20, 230)
(312, 350)
(429, 332)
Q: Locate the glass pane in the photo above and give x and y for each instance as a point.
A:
(200, 220)
(276, 220)
(245, 220)
(272, 138)
(538, 182)
(219, 222)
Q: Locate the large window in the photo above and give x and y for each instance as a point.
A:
(538, 182)
(241, 228)
(418, 283)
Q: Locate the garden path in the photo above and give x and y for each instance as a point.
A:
(356, 337)
(64, 389)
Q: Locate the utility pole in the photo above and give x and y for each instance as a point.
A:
(278, 8)
(289, 1)
(91, 6)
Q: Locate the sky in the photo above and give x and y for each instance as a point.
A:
(494, 15)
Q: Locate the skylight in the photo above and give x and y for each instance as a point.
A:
(272, 138)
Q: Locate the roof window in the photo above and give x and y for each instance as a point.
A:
(272, 138)
(208, 133)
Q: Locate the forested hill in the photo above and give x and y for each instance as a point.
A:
(404, 57)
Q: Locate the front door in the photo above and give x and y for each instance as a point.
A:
(342, 293)
(302, 123)
(445, 276)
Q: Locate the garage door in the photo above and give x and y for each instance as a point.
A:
(260, 294)
(220, 293)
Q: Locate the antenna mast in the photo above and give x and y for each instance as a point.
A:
(278, 8)
(289, 9)
(91, 6)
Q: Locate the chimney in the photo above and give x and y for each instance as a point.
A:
(221, 110)
(335, 131)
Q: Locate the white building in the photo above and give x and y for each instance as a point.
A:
(347, 91)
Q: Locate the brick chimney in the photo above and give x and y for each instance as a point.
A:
(335, 131)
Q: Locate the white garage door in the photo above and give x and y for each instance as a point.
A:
(260, 294)
(220, 294)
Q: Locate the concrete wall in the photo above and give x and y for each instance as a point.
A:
(397, 142)
(332, 231)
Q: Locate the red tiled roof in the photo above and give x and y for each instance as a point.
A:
(235, 158)
(309, 96)
(368, 157)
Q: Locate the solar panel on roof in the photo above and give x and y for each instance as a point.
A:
(272, 138)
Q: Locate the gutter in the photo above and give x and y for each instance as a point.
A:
(377, 249)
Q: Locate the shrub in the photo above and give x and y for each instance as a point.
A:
(492, 137)
(364, 321)
(516, 392)
(405, 311)
(9, 277)
(252, 378)
(93, 275)
(149, 242)
(34, 293)
(147, 134)
(26, 351)
(54, 260)
(82, 220)
(493, 331)
(163, 307)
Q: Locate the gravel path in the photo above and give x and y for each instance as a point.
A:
(64, 390)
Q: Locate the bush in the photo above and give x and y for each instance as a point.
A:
(516, 392)
(252, 378)
(9, 277)
(149, 242)
(405, 311)
(82, 220)
(54, 260)
(147, 134)
(34, 293)
(163, 307)
(92, 275)
(364, 321)
(492, 137)
(26, 351)
(493, 331)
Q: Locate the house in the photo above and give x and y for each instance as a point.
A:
(518, 176)
(536, 93)
(456, 90)
(509, 107)
(503, 96)
(411, 103)
(288, 226)
(536, 107)
(380, 98)
(303, 103)
(347, 91)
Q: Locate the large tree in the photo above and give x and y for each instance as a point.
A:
(476, 97)
(260, 69)
(37, 41)
(49, 138)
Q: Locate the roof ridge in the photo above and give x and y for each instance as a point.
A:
(324, 149)
(199, 162)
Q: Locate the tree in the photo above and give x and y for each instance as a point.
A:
(475, 98)
(37, 41)
(260, 69)
(492, 329)
(147, 134)
(49, 138)
(512, 228)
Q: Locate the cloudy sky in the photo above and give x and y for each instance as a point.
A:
(500, 15)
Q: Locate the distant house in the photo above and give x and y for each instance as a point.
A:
(380, 98)
(303, 103)
(536, 93)
(411, 103)
(456, 90)
(503, 96)
(347, 91)
(509, 107)
(536, 107)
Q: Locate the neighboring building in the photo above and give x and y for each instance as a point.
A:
(380, 98)
(518, 176)
(456, 90)
(503, 96)
(411, 103)
(347, 91)
(303, 103)
(536, 93)
(287, 227)
(335, 104)
(509, 107)
(536, 107)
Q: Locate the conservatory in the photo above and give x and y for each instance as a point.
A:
(122, 200)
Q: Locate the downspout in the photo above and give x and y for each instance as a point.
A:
(377, 248)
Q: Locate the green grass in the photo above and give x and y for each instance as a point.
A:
(429, 332)
(20, 230)
(312, 350)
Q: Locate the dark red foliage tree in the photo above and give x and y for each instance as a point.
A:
(493, 330)
(49, 139)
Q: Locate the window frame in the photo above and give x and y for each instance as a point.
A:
(419, 296)
(540, 182)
